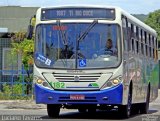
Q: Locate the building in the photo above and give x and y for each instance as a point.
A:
(16, 18)
(3, 31)
(12, 19)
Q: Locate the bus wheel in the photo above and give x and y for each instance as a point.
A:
(53, 110)
(82, 110)
(144, 107)
(135, 109)
(125, 110)
(92, 109)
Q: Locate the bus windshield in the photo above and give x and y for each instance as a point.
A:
(77, 45)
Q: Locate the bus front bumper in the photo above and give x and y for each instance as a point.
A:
(109, 96)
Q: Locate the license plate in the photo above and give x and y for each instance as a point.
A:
(77, 97)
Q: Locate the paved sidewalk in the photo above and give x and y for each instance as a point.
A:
(20, 104)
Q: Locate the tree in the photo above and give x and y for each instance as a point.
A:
(153, 20)
(24, 48)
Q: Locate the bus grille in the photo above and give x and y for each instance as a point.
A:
(71, 78)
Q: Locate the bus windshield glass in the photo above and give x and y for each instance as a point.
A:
(77, 45)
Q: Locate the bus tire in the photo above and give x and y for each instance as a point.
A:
(144, 107)
(135, 109)
(91, 110)
(125, 110)
(53, 110)
(82, 110)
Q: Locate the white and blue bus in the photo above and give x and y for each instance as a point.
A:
(73, 68)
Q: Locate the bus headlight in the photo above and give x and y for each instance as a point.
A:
(41, 82)
(112, 82)
(115, 81)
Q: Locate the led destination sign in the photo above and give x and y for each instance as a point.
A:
(73, 13)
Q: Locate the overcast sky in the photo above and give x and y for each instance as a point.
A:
(132, 6)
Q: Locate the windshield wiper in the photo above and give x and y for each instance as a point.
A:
(64, 39)
(85, 33)
(63, 34)
(82, 36)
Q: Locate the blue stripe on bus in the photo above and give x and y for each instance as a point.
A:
(48, 96)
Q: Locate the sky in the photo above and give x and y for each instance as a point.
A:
(131, 6)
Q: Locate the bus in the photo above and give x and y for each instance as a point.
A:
(74, 70)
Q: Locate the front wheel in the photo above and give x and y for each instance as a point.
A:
(82, 110)
(91, 110)
(125, 110)
(53, 110)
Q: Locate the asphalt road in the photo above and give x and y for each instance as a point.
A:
(74, 115)
(40, 113)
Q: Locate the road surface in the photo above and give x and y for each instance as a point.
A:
(29, 111)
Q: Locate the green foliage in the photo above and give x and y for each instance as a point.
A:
(18, 36)
(153, 20)
(25, 49)
(18, 89)
(7, 91)
(13, 92)
(141, 17)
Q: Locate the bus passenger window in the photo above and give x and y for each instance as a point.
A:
(132, 30)
(137, 46)
(153, 46)
(137, 33)
(142, 48)
(141, 36)
(129, 35)
(146, 46)
(124, 25)
(150, 45)
(156, 54)
(156, 51)
(133, 49)
(136, 38)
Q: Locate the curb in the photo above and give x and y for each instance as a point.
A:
(20, 104)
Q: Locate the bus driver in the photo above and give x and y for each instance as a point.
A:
(109, 49)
